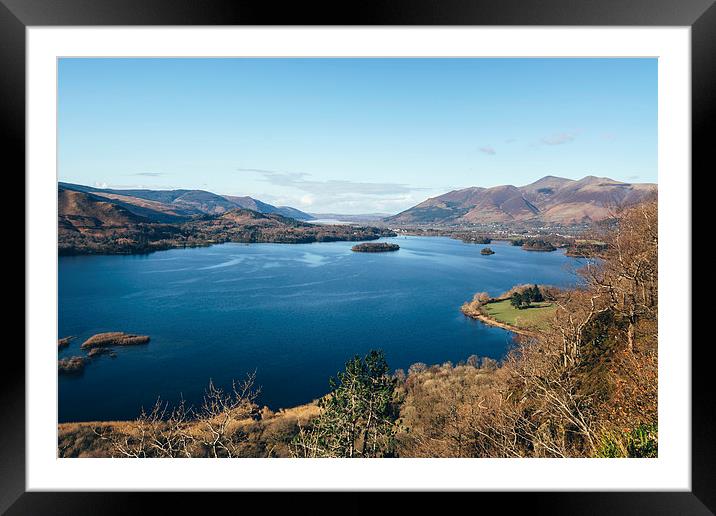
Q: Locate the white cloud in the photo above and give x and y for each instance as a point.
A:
(559, 138)
(337, 195)
(487, 149)
(307, 200)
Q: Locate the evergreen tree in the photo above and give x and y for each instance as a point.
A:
(537, 296)
(526, 299)
(516, 300)
(358, 415)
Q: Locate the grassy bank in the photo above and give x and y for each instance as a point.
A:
(256, 433)
(536, 316)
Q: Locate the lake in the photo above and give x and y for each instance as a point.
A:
(293, 313)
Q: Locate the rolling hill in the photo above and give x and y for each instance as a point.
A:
(114, 223)
(176, 205)
(78, 211)
(550, 199)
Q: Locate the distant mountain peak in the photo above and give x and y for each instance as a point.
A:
(549, 199)
(594, 179)
(550, 180)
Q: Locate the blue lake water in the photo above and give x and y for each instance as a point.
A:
(292, 313)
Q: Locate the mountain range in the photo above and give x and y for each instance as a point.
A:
(550, 199)
(177, 205)
(98, 222)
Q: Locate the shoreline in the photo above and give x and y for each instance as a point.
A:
(205, 244)
(268, 413)
(475, 314)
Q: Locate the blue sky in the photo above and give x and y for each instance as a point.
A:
(353, 135)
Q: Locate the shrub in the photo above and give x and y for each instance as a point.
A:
(640, 442)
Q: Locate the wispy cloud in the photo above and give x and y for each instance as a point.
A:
(148, 174)
(610, 137)
(258, 170)
(559, 138)
(302, 181)
(339, 195)
(487, 149)
(132, 186)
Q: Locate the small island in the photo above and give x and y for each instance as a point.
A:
(71, 365)
(114, 338)
(486, 251)
(375, 247)
(93, 352)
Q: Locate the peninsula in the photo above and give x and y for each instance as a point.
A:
(523, 309)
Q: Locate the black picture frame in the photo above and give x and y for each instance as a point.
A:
(700, 15)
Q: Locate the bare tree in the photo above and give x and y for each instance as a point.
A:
(181, 431)
(628, 275)
(217, 413)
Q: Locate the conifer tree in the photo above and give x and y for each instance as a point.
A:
(516, 300)
(358, 415)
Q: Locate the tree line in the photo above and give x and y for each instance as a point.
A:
(525, 298)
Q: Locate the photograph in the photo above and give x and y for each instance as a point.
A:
(357, 257)
(391, 247)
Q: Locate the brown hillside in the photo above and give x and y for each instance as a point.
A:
(78, 211)
(551, 199)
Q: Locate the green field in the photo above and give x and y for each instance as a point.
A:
(537, 316)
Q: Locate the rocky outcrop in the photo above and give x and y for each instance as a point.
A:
(71, 365)
(101, 351)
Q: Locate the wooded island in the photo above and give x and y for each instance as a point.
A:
(375, 247)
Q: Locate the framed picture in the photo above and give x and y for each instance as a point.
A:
(406, 249)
